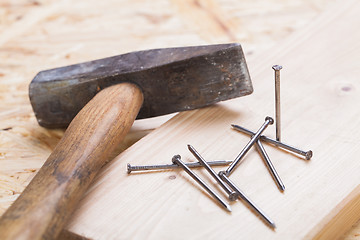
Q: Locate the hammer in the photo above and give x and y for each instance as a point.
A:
(98, 102)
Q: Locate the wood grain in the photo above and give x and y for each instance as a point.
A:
(318, 114)
(45, 205)
(53, 39)
(41, 34)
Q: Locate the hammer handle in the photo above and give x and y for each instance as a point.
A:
(42, 210)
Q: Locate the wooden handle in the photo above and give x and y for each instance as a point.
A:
(43, 208)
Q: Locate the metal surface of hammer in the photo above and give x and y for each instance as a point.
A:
(101, 99)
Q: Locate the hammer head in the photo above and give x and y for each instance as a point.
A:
(171, 79)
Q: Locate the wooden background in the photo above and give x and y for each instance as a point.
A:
(36, 35)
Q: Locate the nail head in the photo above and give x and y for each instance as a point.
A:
(270, 119)
(175, 158)
(277, 67)
(308, 155)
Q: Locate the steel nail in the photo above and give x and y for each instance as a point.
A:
(268, 120)
(232, 195)
(263, 138)
(177, 160)
(270, 166)
(223, 176)
(277, 69)
(174, 166)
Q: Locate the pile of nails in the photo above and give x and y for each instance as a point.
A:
(222, 177)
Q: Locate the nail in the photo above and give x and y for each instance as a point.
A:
(263, 138)
(268, 120)
(277, 69)
(174, 166)
(223, 176)
(232, 195)
(270, 166)
(177, 160)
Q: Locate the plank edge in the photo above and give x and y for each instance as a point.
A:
(340, 220)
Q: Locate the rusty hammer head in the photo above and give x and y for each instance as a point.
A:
(171, 79)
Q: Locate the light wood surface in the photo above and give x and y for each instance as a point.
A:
(319, 89)
(43, 34)
(44, 207)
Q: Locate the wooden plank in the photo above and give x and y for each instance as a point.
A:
(39, 34)
(36, 35)
(319, 90)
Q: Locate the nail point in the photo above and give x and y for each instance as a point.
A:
(228, 208)
(273, 225)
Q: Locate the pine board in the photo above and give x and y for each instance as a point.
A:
(319, 91)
